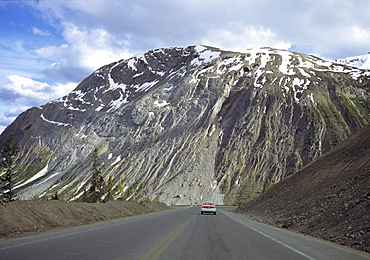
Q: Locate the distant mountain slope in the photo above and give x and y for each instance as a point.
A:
(330, 198)
(361, 61)
(183, 125)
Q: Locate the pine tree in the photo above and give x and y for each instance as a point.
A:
(85, 196)
(109, 189)
(97, 181)
(55, 196)
(8, 156)
(120, 189)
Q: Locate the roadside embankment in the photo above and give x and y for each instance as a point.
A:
(20, 218)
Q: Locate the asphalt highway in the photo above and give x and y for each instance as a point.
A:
(182, 233)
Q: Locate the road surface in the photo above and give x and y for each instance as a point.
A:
(182, 233)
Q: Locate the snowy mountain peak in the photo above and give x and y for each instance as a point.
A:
(114, 86)
(361, 61)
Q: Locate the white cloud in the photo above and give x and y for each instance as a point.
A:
(330, 29)
(40, 32)
(350, 40)
(52, 52)
(241, 39)
(309, 24)
(19, 93)
(360, 36)
(32, 92)
(94, 48)
(84, 52)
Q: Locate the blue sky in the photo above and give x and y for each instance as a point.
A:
(48, 47)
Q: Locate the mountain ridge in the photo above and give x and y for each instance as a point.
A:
(359, 61)
(182, 125)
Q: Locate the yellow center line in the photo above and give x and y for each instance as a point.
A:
(161, 246)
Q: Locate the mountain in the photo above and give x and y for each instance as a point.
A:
(329, 198)
(361, 61)
(183, 125)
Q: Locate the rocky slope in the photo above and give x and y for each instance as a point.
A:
(329, 198)
(183, 125)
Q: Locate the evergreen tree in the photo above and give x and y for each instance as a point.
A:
(97, 181)
(109, 189)
(85, 196)
(55, 196)
(120, 189)
(8, 154)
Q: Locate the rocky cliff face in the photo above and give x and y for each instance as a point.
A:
(183, 125)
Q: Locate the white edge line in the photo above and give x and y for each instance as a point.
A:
(270, 237)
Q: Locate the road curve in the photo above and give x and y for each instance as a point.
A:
(182, 233)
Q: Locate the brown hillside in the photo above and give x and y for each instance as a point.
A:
(329, 198)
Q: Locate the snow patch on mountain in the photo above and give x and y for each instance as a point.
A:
(53, 122)
(205, 55)
(361, 61)
(262, 61)
(118, 159)
(35, 177)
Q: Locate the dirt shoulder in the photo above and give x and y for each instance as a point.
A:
(22, 218)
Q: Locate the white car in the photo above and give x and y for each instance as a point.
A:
(208, 207)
